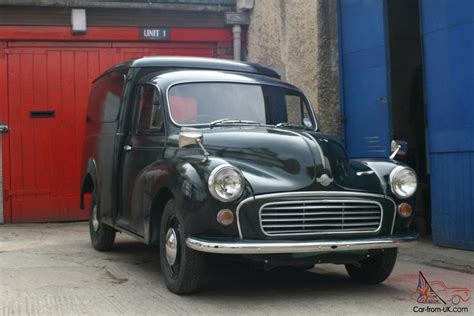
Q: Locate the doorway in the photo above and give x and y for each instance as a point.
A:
(381, 64)
(408, 114)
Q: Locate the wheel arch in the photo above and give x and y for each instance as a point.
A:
(157, 207)
(89, 181)
(165, 182)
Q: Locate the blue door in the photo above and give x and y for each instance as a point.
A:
(448, 50)
(365, 95)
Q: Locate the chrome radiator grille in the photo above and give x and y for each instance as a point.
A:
(320, 217)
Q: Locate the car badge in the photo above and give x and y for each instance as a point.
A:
(325, 180)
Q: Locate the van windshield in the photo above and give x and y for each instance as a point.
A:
(194, 104)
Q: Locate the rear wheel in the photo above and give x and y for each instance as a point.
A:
(183, 269)
(456, 299)
(375, 269)
(102, 235)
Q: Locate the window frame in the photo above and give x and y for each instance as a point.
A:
(137, 112)
(302, 107)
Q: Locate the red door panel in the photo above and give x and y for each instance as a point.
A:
(45, 152)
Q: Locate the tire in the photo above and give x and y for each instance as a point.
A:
(102, 235)
(374, 270)
(187, 273)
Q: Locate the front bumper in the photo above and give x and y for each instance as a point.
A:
(240, 247)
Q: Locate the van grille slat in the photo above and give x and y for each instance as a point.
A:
(311, 219)
(321, 207)
(323, 225)
(319, 213)
(335, 216)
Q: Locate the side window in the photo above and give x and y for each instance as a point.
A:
(297, 112)
(150, 112)
(105, 98)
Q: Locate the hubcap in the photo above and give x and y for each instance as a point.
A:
(171, 246)
(95, 220)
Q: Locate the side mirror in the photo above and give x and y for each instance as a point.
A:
(307, 123)
(188, 137)
(398, 147)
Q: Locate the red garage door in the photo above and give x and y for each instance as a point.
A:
(48, 88)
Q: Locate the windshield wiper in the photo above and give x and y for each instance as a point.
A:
(292, 125)
(231, 121)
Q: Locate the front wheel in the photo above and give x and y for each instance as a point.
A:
(183, 269)
(375, 269)
(102, 235)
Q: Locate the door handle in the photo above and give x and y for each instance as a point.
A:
(3, 128)
(127, 147)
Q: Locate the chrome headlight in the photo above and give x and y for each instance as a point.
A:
(403, 182)
(226, 183)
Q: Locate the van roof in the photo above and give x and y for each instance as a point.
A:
(178, 76)
(196, 63)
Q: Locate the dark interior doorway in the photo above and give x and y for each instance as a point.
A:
(406, 93)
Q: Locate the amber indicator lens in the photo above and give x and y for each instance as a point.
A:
(405, 210)
(225, 217)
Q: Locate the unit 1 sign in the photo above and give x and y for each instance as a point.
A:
(155, 33)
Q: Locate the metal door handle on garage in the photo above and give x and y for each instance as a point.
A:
(3, 128)
(127, 148)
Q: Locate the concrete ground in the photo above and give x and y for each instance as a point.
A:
(51, 269)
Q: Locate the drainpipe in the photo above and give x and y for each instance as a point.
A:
(236, 19)
(236, 32)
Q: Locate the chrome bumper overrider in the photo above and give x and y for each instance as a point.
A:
(273, 246)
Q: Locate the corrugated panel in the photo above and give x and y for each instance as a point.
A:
(452, 188)
(118, 17)
(444, 14)
(111, 17)
(34, 16)
(112, 3)
(448, 46)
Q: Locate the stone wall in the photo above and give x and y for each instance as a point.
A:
(298, 38)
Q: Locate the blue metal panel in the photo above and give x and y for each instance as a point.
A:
(452, 199)
(445, 14)
(448, 46)
(365, 79)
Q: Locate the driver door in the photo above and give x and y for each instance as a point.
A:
(144, 145)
